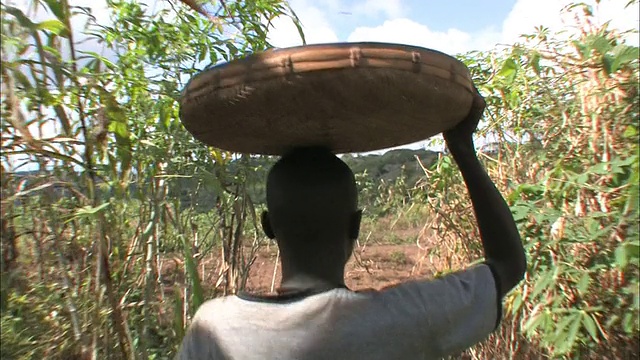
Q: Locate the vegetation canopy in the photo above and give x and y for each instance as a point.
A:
(116, 224)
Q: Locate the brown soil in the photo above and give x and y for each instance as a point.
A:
(374, 266)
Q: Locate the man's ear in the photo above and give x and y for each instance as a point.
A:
(354, 225)
(266, 225)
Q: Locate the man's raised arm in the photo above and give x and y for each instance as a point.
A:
(502, 244)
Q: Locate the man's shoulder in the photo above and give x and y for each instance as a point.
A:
(474, 282)
(217, 301)
(213, 307)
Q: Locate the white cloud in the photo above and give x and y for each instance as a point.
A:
(526, 15)
(409, 32)
(315, 16)
(315, 25)
(523, 18)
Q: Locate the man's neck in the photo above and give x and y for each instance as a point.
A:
(305, 281)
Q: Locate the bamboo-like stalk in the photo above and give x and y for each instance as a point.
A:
(73, 312)
(275, 271)
(103, 273)
(149, 280)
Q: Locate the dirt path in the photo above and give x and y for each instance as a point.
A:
(374, 267)
(371, 267)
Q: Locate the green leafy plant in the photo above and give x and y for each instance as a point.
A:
(108, 157)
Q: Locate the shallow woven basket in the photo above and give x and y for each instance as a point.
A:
(350, 97)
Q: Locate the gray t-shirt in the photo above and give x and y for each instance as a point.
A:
(414, 320)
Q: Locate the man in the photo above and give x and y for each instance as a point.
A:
(313, 215)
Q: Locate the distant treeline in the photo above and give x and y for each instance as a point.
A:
(375, 168)
(190, 191)
(392, 164)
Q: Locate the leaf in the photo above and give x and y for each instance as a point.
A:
(508, 70)
(590, 324)
(583, 178)
(607, 63)
(599, 43)
(197, 293)
(621, 256)
(52, 54)
(119, 129)
(88, 211)
(98, 57)
(567, 344)
(582, 48)
(600, 169)
(233, 50)
(57, 9)
(202, 55)
(54, 26)
(628, 323)
(633, 250)
(623, 55)
(520, 212)
(27, 192)
(534, 61)
(22, 79)
(583, 283)
(542, 283)
(517, 302)
(630, 132)
(118, 125)
(559, 336)
(535, 322)
(634, 191)
(297, 23)
(21, 17)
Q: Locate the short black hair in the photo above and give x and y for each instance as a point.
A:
(308, 190)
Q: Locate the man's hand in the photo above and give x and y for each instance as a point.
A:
(462, 134)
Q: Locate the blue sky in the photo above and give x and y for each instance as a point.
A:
(466, 15)
(448, 26)
(452, 26)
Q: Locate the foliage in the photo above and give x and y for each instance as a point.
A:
(102, 131)
(104, 239)
(566, 116)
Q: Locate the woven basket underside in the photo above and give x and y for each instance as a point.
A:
(383, 96)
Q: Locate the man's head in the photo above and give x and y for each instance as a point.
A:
(312, 204)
